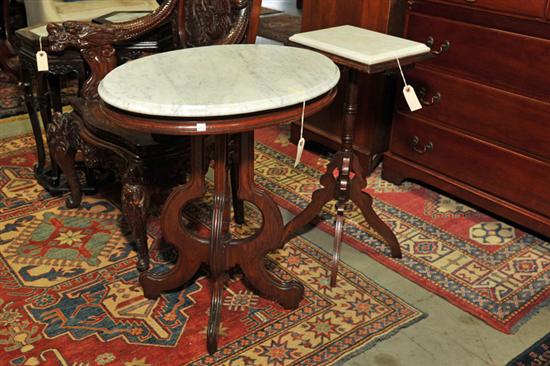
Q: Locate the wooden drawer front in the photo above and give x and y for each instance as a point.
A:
(533, 8)
(507, 118)
(511, 176)
(495, 57)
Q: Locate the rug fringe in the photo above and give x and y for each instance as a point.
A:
(373, 343)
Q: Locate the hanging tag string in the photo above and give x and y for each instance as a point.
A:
(40, 42)
(408, 92)
(302, 141)
(302, 123)
(401, 71)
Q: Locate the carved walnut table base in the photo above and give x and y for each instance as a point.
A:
(221, 252)
(212, 101)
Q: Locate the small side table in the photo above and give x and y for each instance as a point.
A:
(48, 95)
(357, 50)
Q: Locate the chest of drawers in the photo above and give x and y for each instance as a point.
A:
(484, 133)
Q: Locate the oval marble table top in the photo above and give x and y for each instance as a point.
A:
(219, 81)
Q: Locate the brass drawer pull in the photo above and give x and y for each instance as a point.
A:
(435, 98)
(428, 147)
(442, 48)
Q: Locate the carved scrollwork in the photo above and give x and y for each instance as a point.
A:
(96, 41)
(91, 156)
(101, 60)
(210, 22)
(83, 35)
(59, 132)
(80, 35)
(62, 141)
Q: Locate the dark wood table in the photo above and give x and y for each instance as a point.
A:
(232, 91)
(43, 92)
(358, 51)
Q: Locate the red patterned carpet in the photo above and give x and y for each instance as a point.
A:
(69, 293)
(484, 266)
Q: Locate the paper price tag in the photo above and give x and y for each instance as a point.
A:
(201, 127)
(411, 98)
(42, 61)
(299, 151)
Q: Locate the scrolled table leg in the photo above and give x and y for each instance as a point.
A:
(319, 199)
(191, 251)
(251, 253)
(364, 202)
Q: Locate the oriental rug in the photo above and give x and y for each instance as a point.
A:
(482, 265)
(536, 355)
(69, 293)
(279, 27)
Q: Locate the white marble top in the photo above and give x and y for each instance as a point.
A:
(359, 44)
(219, 80)
(40, 31)
(120, 17)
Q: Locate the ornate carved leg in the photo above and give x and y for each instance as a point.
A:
(319, 198)
(191, 249)
(250, 254)
(101, 60)
(219, 239)
(61, 140)
(364, 202)
(135, 204)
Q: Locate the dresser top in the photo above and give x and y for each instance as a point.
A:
(359, 44)
(219, 81)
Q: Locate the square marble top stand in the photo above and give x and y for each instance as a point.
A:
(356, 50)
(42, 94)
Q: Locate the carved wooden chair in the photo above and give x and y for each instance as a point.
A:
(142, 162)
